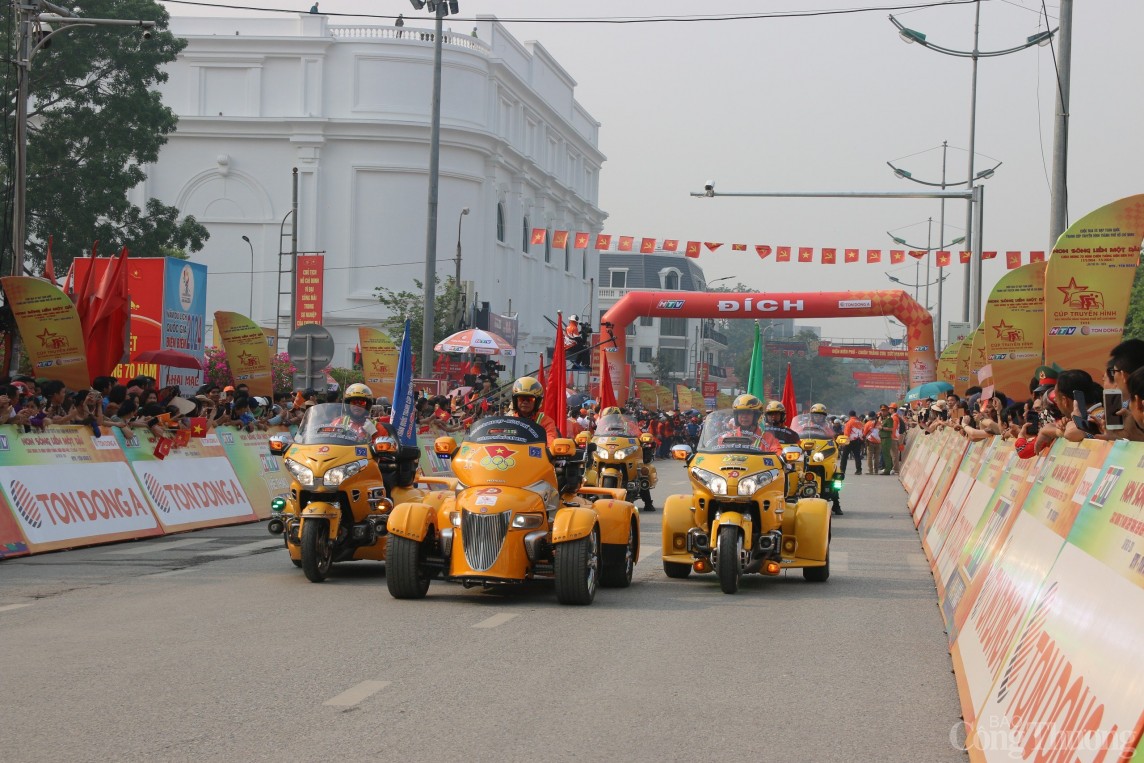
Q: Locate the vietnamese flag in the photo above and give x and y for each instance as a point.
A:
(538, 235)
(990, 255)
(555, 403)
(162, 447)
(762, 250)
(671, 245)
(182, 438)
(647, 245)
(783, 254)
(625, 244)
(199, 426)
(806, 254)
(738, 247)
(581, 241)
(1012, 260)
(692, 249)
(873, 255)
(897, 256)
(1036, 256)
(603, 242)
(559, 239)
(829, 256)
(917, 254)
(943, 259)
(711, 246)
(851, 255)
(963, 257)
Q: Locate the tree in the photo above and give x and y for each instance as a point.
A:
(95, 120)
(411, 305)
(661, 369)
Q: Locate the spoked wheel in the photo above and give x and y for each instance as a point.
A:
(316, 554)
(577, 569)
(617, 573)
(404, 572)
(727, 564)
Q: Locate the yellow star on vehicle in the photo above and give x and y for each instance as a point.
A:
(1071, 290)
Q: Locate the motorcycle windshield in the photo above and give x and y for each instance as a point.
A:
(333, 424)
(722, 434)
(812, 426)
(617, 425)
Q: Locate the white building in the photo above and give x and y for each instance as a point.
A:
(349, 107)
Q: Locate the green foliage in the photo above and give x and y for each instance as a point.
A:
(1134, 323)
(346, 376)
(95, 121)
(411, 304)
(661, 369)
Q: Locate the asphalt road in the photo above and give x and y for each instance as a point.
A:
(212, 646)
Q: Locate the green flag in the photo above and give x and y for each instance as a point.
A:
(755, 374)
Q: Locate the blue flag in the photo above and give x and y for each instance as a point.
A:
(404, 414)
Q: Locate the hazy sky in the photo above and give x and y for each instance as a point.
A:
(821, 104)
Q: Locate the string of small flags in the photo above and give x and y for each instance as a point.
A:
(826, 255)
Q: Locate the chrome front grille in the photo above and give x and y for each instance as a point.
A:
(482, 536)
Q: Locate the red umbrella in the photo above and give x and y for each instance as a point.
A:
(171, 358)
(789, 402)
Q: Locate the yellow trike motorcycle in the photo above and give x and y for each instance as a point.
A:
(520, 515)
(741, 517)
(822, 447)
(619, 455)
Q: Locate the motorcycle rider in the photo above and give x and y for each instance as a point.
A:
(747, 411)
(776, 424)
(616, 426)
(527, 394)
(357, 402)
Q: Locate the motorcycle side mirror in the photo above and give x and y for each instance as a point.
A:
(444, 446)
(842, 440)
(581, 439)
(681, 452)
(563, 447)
(807, 445)
(646, 439)
(279, 443)
(383, 444)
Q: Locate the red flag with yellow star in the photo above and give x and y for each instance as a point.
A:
(1036, 256)
(897, 256)
(851, 255)
(943, 259)
(805, 254)
(199, 426)
(671, 245)
(711, 246)
(917, 254)
(581, 241)
(738, 247)
(538, 235)
(625, 244)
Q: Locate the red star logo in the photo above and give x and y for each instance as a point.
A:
(243, 357)
(45, 338)
(1071, 290)
(1002, 328)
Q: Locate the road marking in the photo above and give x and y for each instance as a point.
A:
(495, 620)
(8, 607)
(356, 694)
(840, 561)
(257, 545)
(153, 548)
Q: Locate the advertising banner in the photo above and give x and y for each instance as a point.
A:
(12, 543)
(379, 361)
(50, 328)
(193, 486)
(67, 488)
(184, 319)
(934, 492)
(663, 397)
(1015, 328)
(647, 395)
(1088, 281)
(504, 326)
(1110, 526)
(961, 379)
(951, 505)
(947, 363)
(261, 475)
(246, 352)
(865, 353)
(976, 354)
(309, 289)
(928, 468)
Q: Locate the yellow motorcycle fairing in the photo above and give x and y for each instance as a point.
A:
(574, 522)
(734, 519)
(412, 520)
(678, 518)
(496, 550)
(806, 533)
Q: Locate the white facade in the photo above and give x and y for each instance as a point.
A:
(349, 106)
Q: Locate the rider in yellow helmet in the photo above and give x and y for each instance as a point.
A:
(358, 399)
(776, 423)
(527, 394)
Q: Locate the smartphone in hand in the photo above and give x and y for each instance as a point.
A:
(1113, 403)
(1080, 413)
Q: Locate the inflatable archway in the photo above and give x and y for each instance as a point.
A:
(827, 304)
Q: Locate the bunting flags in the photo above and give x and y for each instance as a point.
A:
(1012, 260)
(538, 235)
(670, 245)
(805, 254)
(559, 239)
(711, 246)
(647, 245)
(963, 257)
(762, 251)
(829, 256)
(783, 254)
(738, 247)
(581, 241)
(692, 248)
(873, 256)
(49, 266)
(603, 241)
(897, 256)
(851, 255)
(625, 244)
(943, 259)
(989, 255)
(1036, 256)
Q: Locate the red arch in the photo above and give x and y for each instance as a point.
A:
(824, 304)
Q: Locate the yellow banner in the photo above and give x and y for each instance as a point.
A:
(664, 397)
(50, 328)
(1015, 328)
(723, 400)
(647, 396)
(976, 354)
(378, 361)
(1088, 283)
(947, 363)
(961, 380)
(246, 352)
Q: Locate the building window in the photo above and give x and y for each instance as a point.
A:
(629, 360)
(675, 359)
(619, 278)
(568, 257)
(669, 278)
(548, 245)
(584, 265)
(646, 320)
(673, 327)
(500, 222)
(645, 355)
(525, 235)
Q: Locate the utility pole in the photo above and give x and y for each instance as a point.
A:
(1059, 199)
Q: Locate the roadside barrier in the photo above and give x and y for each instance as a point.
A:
(1039, 570)
(65, 488)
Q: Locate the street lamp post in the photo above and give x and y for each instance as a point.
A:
(972, 295)
(250, 311)
(928, 249)
(457, 279)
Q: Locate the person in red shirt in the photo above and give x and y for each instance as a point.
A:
(852, 430)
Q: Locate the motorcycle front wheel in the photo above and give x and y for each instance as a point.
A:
(316, 553)
(577, 569)
(404, 575)
(727, 563)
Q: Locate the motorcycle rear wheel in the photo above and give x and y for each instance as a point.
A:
(817, 574)
(404, 575)
(676, 570)
(617, 572)
(727, 563)
(316, 554)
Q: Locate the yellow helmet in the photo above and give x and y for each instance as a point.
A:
(747, 403)
(358, 391)
(818, 408)
(775, 406)
(527, 386)
(611, 411)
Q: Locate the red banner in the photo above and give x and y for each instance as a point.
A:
(874, 376)
(311, 271)
(866, 353)
(891, 386)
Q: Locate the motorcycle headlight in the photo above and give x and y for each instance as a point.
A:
(623, 453)
(455, 518)
(753, 482)
(304, 474)
(818, 458)
(713, 482)
(340, 474)
(527, 521)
